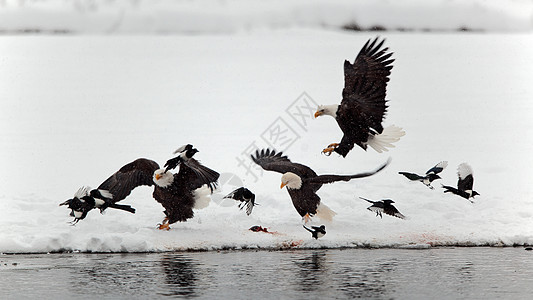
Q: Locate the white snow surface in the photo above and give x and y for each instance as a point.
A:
(75, 109)
(224, 16)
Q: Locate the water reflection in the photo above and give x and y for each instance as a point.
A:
(319, 274)
(111, 274)
(312, 271)
(181, 275)
(367, 279)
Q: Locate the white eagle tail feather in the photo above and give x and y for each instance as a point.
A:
(324, 212)
(383, 141)
(202, 197)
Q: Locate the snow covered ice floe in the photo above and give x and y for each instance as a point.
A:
(57, 137)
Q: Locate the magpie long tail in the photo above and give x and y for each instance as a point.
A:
(367, 200)
(123, 207)
(449, 189)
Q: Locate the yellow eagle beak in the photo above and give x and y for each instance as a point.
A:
(317, 114)
(282, 185)
(158, 176)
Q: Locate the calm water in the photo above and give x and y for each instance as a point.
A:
(444, 273)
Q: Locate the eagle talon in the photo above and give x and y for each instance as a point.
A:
(306, 218)
(331, 147)
(164, 225)
(328, 151)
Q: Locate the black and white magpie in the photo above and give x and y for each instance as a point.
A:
(316, 231)
(246, 197)
(86, 199)
(430, 176)
(464, 184)
(184, 152)
(384, 206)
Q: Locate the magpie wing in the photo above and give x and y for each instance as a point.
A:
(437, 168)
(205, 174)
(392, 211)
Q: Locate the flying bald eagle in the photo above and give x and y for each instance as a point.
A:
(363, 104)
(465, 183)
(178, 193)
(302, 182)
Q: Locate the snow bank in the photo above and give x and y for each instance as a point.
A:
(75, 109)
(203, 16)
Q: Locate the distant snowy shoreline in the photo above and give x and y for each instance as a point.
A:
(221, 17)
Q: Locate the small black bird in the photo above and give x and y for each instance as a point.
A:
(431, 174)
(86, 199)
(316, 231)
(384, 206)
(464, 184)
(245, 196)
(184, 152)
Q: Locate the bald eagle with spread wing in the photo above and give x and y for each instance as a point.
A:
(178, 193)
(363, 104)
(302, 182)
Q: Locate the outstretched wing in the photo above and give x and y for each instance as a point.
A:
(363, 105)
(250, 205)
(377, 207)
(277, 162)
(237, 194)
(437, 168)
(205, 175)
(323, 179)
(466, 178)
(392, 211)
(138, 172)
(466, 184)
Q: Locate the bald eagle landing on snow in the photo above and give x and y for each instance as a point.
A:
(363, 104)
(178, 193)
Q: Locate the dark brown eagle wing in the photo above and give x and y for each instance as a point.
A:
(363, 103)
(138, 172)
(277, 162)
(324, 179)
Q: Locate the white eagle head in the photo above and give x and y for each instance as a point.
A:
(163, 178)
(291, 181)
(330, 110)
